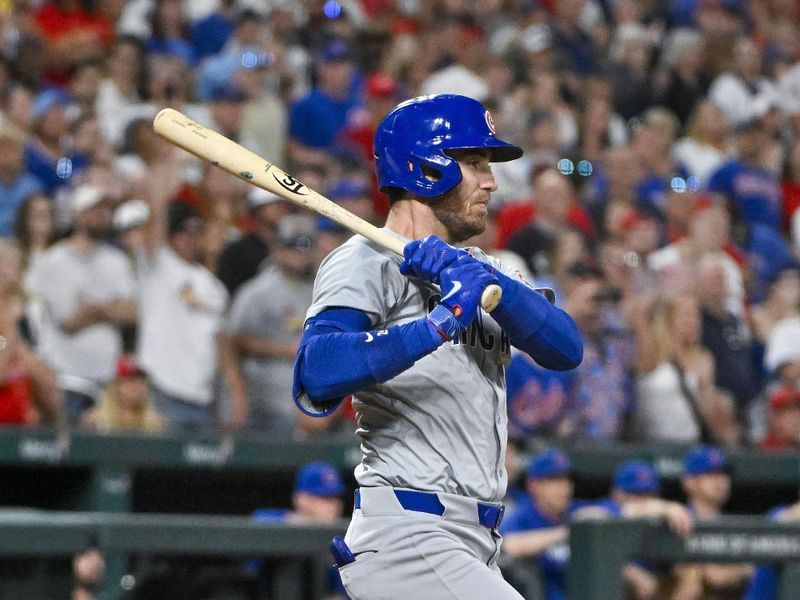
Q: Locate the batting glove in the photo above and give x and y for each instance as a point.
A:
(428, 257)
(462, 284)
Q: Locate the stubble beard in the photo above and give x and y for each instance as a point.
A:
(451, 212)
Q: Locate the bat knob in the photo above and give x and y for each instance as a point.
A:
(491, 297)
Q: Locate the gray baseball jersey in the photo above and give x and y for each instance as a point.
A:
(441, 425)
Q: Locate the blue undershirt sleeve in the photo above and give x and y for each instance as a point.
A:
(538, 328)
(340, 355)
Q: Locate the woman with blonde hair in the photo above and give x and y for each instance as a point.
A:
(125, 404)
(676, 397)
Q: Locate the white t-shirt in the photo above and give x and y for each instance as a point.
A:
(699, 159)
(663, 412)
(58, 281)
(181, 307)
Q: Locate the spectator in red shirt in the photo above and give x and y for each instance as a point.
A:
(28, 390)
(784, 420)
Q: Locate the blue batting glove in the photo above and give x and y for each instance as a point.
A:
(428, 257)
(462, 285)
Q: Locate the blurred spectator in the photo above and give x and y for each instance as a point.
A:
(684, 84)
(129, 223)
(744, 90)
(676, 397)
(86, 291)
(726, 334)
(653, 136)
(553, 195)
(29, 393)
(707, 483)
(210, 34)
(628, 70)
(241, 260)
(44, 152)
(790, 186)
(709, 231)
(125, 405)
(784, 420)
(73, 30)
(169, 31)
(181, 309)
(704, 147)
(601, 400)
(317, 498)
(599, 129)
(753, 192)
(782, 301)
(537, 529)
(765, 584)
(88, 573)
(635, 488)
(16, 182)
(244, 49)
(782, 352)
(316, 119)
(118, 93)
(464, 47)
(263, 331)
(34, 228)
(353, 193)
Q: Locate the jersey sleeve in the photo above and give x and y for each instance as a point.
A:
(361, 276)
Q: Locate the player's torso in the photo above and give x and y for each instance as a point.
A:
(441, 425)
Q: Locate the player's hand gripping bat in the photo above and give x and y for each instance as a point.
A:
(214, 147)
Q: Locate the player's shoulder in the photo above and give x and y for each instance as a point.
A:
(360, 253)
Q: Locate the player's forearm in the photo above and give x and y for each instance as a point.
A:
(530, 543)
(545, 332)
(333, 364)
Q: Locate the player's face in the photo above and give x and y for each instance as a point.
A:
(553, 494)
(464, 209)
(714, 488)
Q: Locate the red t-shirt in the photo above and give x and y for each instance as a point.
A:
(15, 395)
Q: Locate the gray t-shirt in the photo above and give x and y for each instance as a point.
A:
(271, 306)
(440, 425)
(58, 282)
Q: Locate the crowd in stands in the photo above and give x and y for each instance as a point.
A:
(658, 196)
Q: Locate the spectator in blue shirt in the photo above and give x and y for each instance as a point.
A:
(316, 120)
(317, 498)
(209, 34)
(538, 528)
(707, 483)
(44, 154)
(16, 184)
(754, 193)
(765, 582)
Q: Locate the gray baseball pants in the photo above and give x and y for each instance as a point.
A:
(403, 554)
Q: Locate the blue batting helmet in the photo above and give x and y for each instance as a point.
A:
(417, 134)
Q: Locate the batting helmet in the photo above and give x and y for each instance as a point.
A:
(417, 134)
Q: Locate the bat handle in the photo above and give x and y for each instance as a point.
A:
(491, 297)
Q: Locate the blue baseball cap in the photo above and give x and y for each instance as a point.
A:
(46, 100)
(348, 188)
(549, 463)
(636, 477)
(705, 459)
(319, 479)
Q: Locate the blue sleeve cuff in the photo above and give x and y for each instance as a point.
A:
(537, 327)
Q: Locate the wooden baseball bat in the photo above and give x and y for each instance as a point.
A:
(234, 158)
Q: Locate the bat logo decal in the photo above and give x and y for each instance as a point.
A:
(290, 184)
(246, 175)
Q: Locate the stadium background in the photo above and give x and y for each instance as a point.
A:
(662, 169)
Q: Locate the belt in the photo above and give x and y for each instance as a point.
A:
(489, 515)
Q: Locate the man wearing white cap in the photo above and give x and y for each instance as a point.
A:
(242, 259)
(86, 291)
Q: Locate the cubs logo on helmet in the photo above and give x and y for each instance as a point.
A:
(412, 142)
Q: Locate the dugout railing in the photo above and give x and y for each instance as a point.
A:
(119, 473)
(600, 548)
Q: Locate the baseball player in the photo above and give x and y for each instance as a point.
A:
(408, 338)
